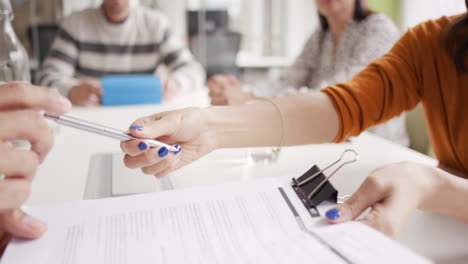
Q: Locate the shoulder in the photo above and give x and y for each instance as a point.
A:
(152, 17)
(314, 39)
(432, 29)
(432, 33)
(81, 16)
(378, 24)
(80, 19)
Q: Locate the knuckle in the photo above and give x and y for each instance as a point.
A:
(353, 208)
(31, 162)
(147, 170)
(149, 157)
(127, 162)
(376, 183)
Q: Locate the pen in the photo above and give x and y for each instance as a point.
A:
(103, 130)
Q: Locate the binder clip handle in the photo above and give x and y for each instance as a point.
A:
(342, 157)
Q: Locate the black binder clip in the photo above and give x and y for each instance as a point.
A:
(313, 187)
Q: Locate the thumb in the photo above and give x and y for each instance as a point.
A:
(151, 127)
(368, 194)
(18, 223)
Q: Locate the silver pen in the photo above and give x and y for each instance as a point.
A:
(103, 130)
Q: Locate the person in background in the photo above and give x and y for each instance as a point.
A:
(20, 119)
(350, 36)
(116, 39)
(428, 65)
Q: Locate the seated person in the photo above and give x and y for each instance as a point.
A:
(428, 65)
(20, 119)
(350, 36)
(116, 39)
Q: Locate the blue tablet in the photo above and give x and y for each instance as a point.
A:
(131, 90)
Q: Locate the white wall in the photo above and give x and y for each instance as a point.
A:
(302, 21)
(417, 11)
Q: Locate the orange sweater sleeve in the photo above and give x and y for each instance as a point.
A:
(386, 88)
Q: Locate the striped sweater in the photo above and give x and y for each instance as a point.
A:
(89, 47)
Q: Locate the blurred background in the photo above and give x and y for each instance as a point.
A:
(251, 39)
(255, 37)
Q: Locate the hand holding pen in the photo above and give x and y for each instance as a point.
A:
(184, 127)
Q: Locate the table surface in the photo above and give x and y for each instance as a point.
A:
(63, 175)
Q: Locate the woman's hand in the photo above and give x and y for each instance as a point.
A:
(392, 193)
(227, 90)
(185, 128)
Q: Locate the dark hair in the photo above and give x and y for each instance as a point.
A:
(457, 42)
(361, 11)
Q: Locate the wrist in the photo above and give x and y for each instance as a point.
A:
(436, 181)
(210, 126)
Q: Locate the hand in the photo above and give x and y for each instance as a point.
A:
(20, 119)
(17, 223)
(392, 193)
(172, 88)
(227, 90)
(86, 94)
(184, 127)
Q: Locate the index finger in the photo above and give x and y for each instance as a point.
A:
(369, 193)
(15, 96)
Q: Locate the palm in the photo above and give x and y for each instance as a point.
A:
(191, 135)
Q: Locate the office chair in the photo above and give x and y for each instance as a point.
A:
(46, 35)
(217, 52)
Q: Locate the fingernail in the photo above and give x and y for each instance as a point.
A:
(178, 151)
(138, 128)
(142, 146)
(333, 214)
(163, 152)
(33, 223)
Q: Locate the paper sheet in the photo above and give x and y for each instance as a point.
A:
(233, 223)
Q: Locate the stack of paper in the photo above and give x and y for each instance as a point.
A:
(255, 222)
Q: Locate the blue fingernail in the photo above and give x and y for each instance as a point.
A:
(178, 151)
(139, 128)
(163, 152)
(142, 146)
(333, 214)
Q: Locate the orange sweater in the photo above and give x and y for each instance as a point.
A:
(417, 69)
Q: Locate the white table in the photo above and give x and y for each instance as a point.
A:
(63, 176)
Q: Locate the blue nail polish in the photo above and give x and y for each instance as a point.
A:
(139, 128)
(142, 146)
(333, 214)
(178, 151)
(163, 152)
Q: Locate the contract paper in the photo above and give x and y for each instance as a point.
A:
(253, 222)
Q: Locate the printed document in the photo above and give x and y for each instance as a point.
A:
(254, 222)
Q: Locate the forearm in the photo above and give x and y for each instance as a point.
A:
(450, 196)
(58, 75)
(301, 119)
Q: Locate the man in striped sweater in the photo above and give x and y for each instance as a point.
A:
(116, 39)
